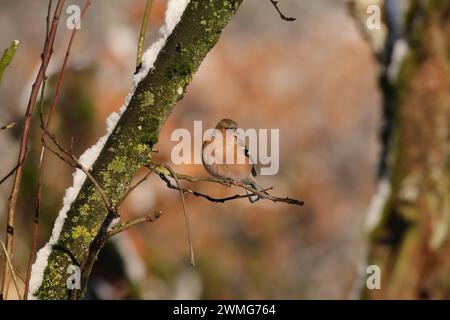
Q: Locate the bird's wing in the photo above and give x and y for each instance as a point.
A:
(254, 173)
(248, 155)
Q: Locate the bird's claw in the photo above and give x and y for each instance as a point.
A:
(228, 182)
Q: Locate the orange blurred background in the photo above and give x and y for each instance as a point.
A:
(315, 79)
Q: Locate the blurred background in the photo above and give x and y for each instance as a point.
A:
(315, 79)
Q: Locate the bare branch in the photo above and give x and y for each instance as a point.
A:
(9, 174)
(121, 227)
(228, 183)
(76, 164)
(131, 189)
(203, 195)
(42, 154)
(46, 55)
(8, 126)
(140, 48)
(11, 269)
(282, 16)
(186, 216)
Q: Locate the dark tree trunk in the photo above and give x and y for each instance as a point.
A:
(411, 241)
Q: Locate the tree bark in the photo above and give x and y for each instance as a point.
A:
(411, 241)
(130, 144)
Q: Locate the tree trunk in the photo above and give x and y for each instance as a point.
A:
(411, 241)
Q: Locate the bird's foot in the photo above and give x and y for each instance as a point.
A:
(228, 182)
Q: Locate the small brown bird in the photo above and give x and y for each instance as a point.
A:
(220, 155)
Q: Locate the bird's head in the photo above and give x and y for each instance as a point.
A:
(226, 124)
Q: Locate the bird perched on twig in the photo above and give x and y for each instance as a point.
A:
(225, 156)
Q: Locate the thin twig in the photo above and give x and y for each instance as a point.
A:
(35, 228)
(129, 224)
(8, 55)
(77, 164)
(9, 174)
(42, 154)
(228, 183)
(46, 55)
(140, 48)
(131, 189)
(38, 197)
(19, 275)
(8, 126)
(63, 67)
(11, 269)
(186, 216)
(206, 196)
(282, 16)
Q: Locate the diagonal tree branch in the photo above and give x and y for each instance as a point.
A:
(129, 145)
(8, 126)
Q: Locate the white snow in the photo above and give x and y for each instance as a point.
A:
(401, 50)
(174, 11)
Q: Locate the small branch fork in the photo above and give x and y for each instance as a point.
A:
(70, 159)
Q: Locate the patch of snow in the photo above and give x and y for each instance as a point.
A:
(401, 50)
(377, 203)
